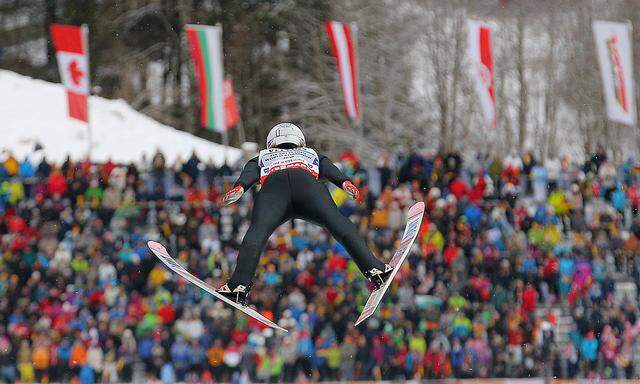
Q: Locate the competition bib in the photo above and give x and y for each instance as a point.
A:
(275, 159)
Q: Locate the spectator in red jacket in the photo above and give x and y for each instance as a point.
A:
(458, 187)
(529, 299)
(57, 184)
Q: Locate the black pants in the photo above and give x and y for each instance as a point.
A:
(294, 193)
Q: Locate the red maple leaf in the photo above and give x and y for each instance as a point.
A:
(75, 72)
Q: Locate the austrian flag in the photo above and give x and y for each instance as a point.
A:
(344, 50)
(72, 51)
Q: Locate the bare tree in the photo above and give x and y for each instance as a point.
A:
(415, 92)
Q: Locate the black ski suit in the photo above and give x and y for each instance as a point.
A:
(295, 193)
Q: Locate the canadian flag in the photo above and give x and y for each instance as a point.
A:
(72, 51)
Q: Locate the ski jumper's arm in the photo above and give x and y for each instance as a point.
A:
(250, 174)
(329, 171)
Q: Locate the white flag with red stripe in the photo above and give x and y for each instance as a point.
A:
(343, 48)
(613, 44)
(481, 69)
(72, 51)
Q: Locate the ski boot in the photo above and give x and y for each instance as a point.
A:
(378, 277)
(238, 294)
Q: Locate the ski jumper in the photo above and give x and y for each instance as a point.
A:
(292, 188)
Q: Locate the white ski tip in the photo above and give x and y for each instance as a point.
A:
(155, 246)
(416, 209)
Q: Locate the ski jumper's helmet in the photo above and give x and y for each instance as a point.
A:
(285, 133)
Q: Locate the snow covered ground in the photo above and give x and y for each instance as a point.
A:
(34, 111)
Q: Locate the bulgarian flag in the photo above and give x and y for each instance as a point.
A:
(72, 50)
(206, 49)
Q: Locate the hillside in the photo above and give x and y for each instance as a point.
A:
(34, 111)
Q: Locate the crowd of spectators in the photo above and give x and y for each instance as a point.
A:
(507, 248)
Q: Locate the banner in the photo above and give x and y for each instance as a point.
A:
(206, 49)
(613, 44)
(230, 104)
(343, 49)
(72, 51)
(481, 69)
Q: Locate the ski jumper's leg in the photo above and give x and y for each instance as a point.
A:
(270, 209)
(312, 202)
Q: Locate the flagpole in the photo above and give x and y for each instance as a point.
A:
(359, 124)
(89, 135)
(241, 131)
(225, 142)
(225, 133)
(85, 32)
(240, 125)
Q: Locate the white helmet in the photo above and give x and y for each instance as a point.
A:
(285, 133)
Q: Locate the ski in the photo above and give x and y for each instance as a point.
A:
(414, 218)
(161, 252)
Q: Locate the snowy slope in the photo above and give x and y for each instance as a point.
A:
(35, 111)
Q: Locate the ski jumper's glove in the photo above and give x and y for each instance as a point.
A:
(232, 195)
(351, 189)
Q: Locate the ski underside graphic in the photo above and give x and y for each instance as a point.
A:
(161, 252)
(414, 218)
